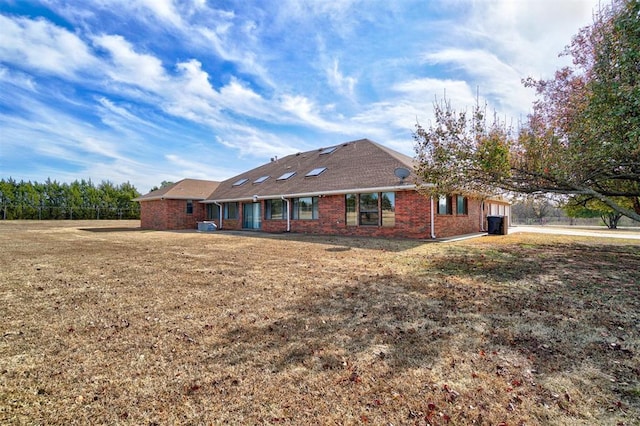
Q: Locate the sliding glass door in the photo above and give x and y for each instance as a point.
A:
(251, 216)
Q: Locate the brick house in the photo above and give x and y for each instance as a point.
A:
(357, 188)
(177, 206)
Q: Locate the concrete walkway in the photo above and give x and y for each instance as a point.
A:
(581, 231)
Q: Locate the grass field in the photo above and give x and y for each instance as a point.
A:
(102, 323)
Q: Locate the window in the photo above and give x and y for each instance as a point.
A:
(372, 209)
(230, 210)
(286, 176)
(444, 205)
(369, 212)
(352, 213)
(213, 212)
(189, 206)
(240, 182)
(388, 208)
(316, 172)
(328, 150)
(261, 179)
(461, 204)
(305, 208)
(274, 209)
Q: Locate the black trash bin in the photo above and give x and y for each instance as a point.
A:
(496, 224)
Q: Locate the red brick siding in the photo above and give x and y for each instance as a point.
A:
(413, 216)
(170, 215)
(448, 225)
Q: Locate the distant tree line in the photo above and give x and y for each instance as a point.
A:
(77, 200)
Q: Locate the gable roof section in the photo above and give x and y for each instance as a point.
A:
(186, 189)
(356, 165)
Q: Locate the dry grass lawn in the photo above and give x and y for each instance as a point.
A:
(102, 323)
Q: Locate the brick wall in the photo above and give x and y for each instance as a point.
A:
(448, 225)
(170, 215)
(152, 214)
(412, 220)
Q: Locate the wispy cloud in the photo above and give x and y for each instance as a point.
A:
(342, 84)
(151, 90)
(40, 45)
(130, 67)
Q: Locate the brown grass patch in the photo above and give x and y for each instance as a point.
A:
(136, 327)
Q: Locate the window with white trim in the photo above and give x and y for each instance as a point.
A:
(305, 208)
(444, 204)
(231, 210)
(274, 209)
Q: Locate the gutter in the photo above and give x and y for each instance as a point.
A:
(318, 193)
(433, 225)
(288, 213)
(220, 215)
(164, 197)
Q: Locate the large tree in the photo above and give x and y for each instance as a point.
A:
(582, 137)
(579, 206)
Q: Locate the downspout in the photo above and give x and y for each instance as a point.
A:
(220, 211)
(481, 215)
(433, 225)
(288, 213)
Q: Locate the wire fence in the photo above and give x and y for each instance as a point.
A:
(26, 212)
(568, 221)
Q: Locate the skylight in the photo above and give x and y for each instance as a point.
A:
(261, 179)
(316, 172)
(286, 175)
(328, 150)
(240, 182)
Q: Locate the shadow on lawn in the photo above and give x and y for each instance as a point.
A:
(112, 229)
(557, 307)
(339, 242)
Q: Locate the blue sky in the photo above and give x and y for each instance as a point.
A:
(151, 90)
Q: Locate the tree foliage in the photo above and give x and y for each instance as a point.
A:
(588, 207)
(582, 137)
(77, 200)
(534, 208)
(163, 184)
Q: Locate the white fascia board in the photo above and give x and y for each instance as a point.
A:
(319, 193)
(168, 198)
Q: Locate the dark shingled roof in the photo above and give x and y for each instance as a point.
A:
(360, 164)
(186, 189)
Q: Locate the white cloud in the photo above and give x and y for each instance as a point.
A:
(128, 66)
(16, 78)
(410, 101)
(343, 85)
(532, 33)
(306, 113)
(43, 46)
(164, 10)
(427, 90)
(262, 78)
(495, 80)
